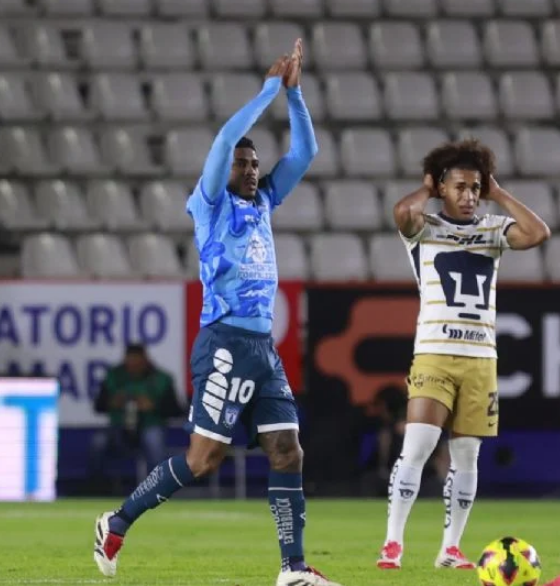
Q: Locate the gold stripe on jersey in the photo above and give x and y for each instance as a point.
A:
(433, 341)
(493, 229)
(466, 322)
(466, 246)
(443, 302)
(433, 282)
(428, 263)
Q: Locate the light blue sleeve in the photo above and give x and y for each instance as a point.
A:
(290, 169)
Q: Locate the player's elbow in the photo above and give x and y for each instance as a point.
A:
(402, 214)
(544, 233)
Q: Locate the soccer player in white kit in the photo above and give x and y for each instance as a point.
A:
(453, 378)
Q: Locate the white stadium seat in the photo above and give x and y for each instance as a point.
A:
(49, 255)
(338, 257)
(388, 258)
(104, 256)
(291, 257)
(153, 255)
(301, 210)
(163, 206)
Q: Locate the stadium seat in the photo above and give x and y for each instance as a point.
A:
(526, 95)
(192, 260)
(16, 8)
(166, 46)
(388, 260)
(313, 94)
(410, 96)
(497, 140)
(472, 8)
(163, 206)
(154, 255)
(271, 41)
(245, 9)
(291, 257)
(453, 44)
(338, 257)
(297, 8)
(224, 46)
(111, 202)
(510, 44)
(17, 211)
(182, 9)
(468, 95)
(230, 91)
(539, 198)
(354, 8)
(16, 103)
(63, 205)
(47, 49)
(326, 163)
(23, 152)
(552, 258)
(75, 151)
(9, 56)
(186, 150)
(352, 205)
(352, 96)
(367, 152)
(268, 151)
(338, 46)
(414, 144)
(48, 255)
(127, 150)
(537, 151)
(67, 8)
(395, 190)
(521, 266)
(103, 256)
(58, 95)
(179, 96)
(522, 8)
(118, 97)
(131, 8)
(550, 42)
(411, 8)
(395, 45)
(108, 45)
(301, 210)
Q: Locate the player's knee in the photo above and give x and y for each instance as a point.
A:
(288, 457)
(464, 453)
(420, 440)
(206, 461)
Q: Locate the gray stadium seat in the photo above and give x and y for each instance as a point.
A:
(127, 150)
(520, 8)
(313, 95)
(301, 210)
(352, 205)
(472, 8)
(16, 103)
(117, 96)
(166, 46)
(63, 205)
(367, 152)
(414, 144)
(453, 44)
(395, 45)
(552, 258)
(538, 196)
(111, 203)
(521, 266)
(179, 96)
(497, 140)
(224, 46)
(103, 256)
(338, 46)
(192, 260)
(23, 152)
(47, 48)
(550, 42)
(246, 9)
(352, 96)
(163, 206)
(182, 9)
(67, 8)
(268, 150)
(510, 44)
(9, 56)
(74, 149)
(338, 257)
(527, 95)
(59, 97)
(16, 8)
(17, 211)
(468, 95)
(186, 150)
(291, 257)
(108, 45)
(230, 91)
(297, 8)
(410, 96)
(411, 8)
(354, 8)
(48, 255)
(272, 39)
(326, 163)
(131, 8)
(388, 259)
(394, 191)
(153, 255)
(537, 151)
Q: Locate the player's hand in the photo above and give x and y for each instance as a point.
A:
(279, 67)
(144, 404)
(493, 188)
(292, 77)
(429, 183)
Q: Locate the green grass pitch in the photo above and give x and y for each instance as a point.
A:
(227, 543)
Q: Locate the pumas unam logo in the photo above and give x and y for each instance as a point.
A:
(462, 334)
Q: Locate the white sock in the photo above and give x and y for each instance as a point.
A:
(460, 488)
(420, 439)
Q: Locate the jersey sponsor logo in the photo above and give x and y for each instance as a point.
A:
(461, 334)
(420, 379)
(478, 239)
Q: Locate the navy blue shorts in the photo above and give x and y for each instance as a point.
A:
(238, 378)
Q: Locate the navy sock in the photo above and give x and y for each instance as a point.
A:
(164, 480)
(287, 504)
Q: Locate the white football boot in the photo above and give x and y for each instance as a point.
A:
(107, 545)
(453, 557)
(307, 577)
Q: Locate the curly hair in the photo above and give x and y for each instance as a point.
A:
(467, 154)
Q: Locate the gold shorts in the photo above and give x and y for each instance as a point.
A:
(467, 386)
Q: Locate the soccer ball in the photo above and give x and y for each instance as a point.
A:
(509, 562)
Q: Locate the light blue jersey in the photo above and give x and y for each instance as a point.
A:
(234, 236)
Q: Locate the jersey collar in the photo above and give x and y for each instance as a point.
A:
(474, 220)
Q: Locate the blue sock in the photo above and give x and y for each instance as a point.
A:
(287, 504)
(164, 480)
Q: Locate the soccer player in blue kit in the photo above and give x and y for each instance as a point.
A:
(237, 374)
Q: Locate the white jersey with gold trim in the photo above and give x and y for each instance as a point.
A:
(455, 266)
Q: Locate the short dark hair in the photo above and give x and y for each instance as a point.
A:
(245, 143)
(136, 349)
(467, 154)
